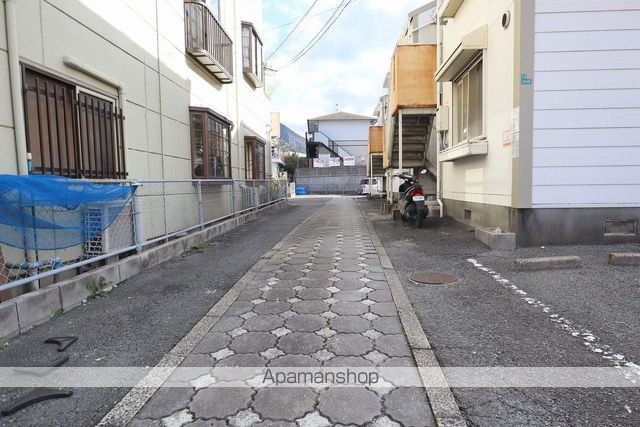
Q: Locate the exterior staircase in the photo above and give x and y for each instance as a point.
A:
(417, 138)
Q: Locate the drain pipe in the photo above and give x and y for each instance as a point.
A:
(439, 103)
(15, 84)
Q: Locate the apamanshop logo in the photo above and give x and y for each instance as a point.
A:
(321, 377)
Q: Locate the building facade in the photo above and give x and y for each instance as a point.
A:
(139, 89)
(340, 135)
(539, 119)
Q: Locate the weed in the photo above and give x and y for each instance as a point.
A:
(98, 287)
(57, 312)
(3, 343)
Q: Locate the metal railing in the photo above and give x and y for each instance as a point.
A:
(159, 211)
(323, 138)
(207, 40)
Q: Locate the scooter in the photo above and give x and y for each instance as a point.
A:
(411, 200)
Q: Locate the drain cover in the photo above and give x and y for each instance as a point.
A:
(430, 278)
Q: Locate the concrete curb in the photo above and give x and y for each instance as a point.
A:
(443, 404)
(547, 263)
(135, 399)
(20, 314)
(624, 258)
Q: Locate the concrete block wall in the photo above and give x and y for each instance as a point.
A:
(335, 180)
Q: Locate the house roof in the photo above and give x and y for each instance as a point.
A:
(341, 115)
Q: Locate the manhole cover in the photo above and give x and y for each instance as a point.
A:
(430, 278)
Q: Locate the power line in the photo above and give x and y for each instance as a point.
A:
(293, 22)
(292, 31)
(320, 34)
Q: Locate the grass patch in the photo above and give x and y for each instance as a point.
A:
(3, 343)
(98, 287)
(194, 249)
(57, 312)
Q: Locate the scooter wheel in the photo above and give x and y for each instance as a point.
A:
(421, 219)
(404, 218)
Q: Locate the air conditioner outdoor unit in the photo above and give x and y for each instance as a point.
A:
(119, 234)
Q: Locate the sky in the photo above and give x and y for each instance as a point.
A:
(347, 67)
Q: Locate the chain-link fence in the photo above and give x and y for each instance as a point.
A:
(158, 211)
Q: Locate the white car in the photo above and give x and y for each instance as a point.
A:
(365, 188)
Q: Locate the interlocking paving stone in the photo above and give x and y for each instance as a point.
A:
(212, 342)
(409, 406)
(279, 294)
(349, 324)
(393, 345)
(349, 345)
(310, 307)
(166, 401)
(306, 323)
(322, 299)
(271, 307)
(388, 325)
(349, 308)
(300, 343)
(350, 405)
(267, 322)
(350, 296)
(314, 294)
(294, 361)
(284, 403)
(253, 342)
(220, 402)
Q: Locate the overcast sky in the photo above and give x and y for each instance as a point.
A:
(347, 67)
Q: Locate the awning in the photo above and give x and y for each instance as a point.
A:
(470, 46)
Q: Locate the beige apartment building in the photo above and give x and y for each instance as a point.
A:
(140, 89)
(539, 117)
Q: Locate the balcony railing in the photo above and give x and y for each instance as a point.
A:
(207, 41)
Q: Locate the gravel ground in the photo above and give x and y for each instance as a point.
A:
(478, 322)
(143, 318)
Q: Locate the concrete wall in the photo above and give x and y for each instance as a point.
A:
(140, 43)
(335, 180)
(586, 137)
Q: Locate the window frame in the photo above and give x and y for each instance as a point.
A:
(257, 169)
(206, 116)
(457, 87)
(79, 152)
(255, 69)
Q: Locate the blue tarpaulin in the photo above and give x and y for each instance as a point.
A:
(43, 212)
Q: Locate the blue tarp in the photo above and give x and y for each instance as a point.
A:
(43, 212)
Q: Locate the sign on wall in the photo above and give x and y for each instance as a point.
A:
(349, 161)
(334, 161)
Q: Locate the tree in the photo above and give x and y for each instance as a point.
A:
(290, 163)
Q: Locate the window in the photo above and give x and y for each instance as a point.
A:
(468, 104)
(252, 54)
(71, 132)
(254, 157)
(210, 144)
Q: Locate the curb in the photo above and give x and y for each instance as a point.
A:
(624, 258)
(443, 404)
(547, 263)
(135, 399)
(24, 312)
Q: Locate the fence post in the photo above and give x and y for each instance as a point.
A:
(233, 197)
(269, 197)
(200, 205)
(137, 223)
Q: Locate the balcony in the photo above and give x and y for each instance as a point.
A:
(207, 41)
(412, 77)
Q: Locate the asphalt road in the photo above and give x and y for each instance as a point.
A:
(144, 318)
(478, 322)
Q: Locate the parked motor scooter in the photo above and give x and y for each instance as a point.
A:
(411, 200)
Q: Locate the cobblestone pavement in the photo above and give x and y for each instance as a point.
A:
(321, 300)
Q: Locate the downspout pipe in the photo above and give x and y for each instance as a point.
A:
(17, 105)
(439, 97)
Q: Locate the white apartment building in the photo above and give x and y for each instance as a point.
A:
(155, 89)
(539, 117)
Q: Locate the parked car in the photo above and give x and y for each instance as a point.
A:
(365, 188)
